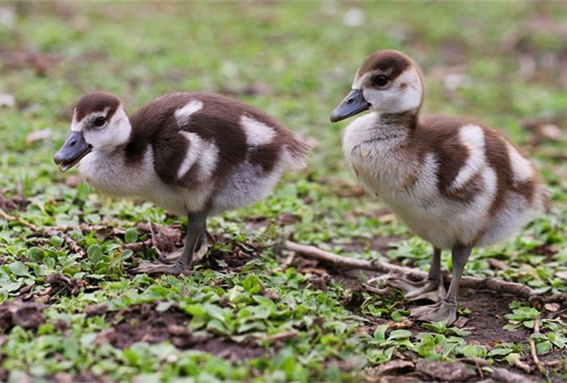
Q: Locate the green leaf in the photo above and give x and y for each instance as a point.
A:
(252, 284)
(35, 254)
(500, 351)
(164, 306)
(217, 326)
(70, 348)
(399, 315)
(380, 332)
(19, 268)
(213, 311)
(543, 348)
(131, 235)
(261, 300)
(56, 241)
(195, 310)
(399, 334)
(94, 252)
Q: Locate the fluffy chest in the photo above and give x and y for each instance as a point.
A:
(110, 173)
(382, 162)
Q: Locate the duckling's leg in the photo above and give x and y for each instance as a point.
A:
(202, 245)
(431, 288)
(196, 230)
(447, 308)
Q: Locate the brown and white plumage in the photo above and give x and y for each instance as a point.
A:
(194, 154)
(455, 182)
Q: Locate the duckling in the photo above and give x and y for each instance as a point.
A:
(194, 154)
(455, 182)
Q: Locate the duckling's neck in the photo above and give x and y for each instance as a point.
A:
(384, 129)
(405, 120)
(378, 147)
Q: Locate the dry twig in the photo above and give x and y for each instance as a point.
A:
(523, 366)
(45, 232)
(533, 346)
(492, 284)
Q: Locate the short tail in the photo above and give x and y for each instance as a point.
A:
(297, 154)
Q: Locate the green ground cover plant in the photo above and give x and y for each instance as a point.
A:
(72, 310)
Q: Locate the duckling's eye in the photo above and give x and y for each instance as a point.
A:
(380, 80)
(99, 121)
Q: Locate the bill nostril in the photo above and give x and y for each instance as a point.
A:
(72, 143)
(350, 101)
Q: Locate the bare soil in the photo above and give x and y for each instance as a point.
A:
(143, 323)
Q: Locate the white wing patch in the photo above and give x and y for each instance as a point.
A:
(203, 151)
(182, 114)
(257, 133)
(472, 137)
(208, 160)
(522, 169)
(192, 154)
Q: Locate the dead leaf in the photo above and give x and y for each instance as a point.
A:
(552, 307)
(445, 371)
(25, 314)
(96, 309)
(62, 284)
(391, 367)
(497, 264)
(105, 337)
(62, 377)
(73, 181)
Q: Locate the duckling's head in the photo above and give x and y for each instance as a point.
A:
(99, 123)
(387, 82)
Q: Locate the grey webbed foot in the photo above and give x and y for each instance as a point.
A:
(437, 312)
(153, 269)
(174, 256)
(196, 236)
(428, 289)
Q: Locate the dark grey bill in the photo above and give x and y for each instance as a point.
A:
(353, 103)
(72, 151)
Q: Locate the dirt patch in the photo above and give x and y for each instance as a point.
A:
(15, 202)
(238, 256)
(485, 321)
(487, 317)
(28, 315)
(143, 323)
(405, 371)
(379, 244)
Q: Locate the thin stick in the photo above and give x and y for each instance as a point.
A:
(492, 284)
(153, 237)
(46, 232)
(21, 221)
(538, 364)
(522, 366)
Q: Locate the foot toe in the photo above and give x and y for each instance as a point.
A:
(153, 269)
(171, 257)
(415, 290)
(430, 290)
(199, 254)
(437, 312)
